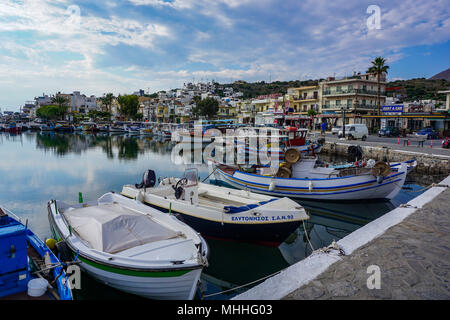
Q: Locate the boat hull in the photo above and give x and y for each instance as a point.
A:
(332, 189)
(166, 285)
(270, 234)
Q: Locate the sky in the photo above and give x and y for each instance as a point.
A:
(121, 46)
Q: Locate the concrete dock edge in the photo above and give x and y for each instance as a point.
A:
(308, 269)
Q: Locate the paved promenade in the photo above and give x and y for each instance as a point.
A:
(413, 257)
(375, 141)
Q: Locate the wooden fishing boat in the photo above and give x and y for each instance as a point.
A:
(25, 258)
(220, 212)
(301, 178)
(132, 247)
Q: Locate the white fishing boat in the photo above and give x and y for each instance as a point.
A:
(47, 127)
(131, 129)
(267, 143)
(301, 178)
(220, 212)
(132, 247)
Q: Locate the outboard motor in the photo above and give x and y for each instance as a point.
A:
(148, 180)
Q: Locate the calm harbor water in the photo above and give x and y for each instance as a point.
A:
(37, 167)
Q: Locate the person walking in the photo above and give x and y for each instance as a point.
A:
(324, 128)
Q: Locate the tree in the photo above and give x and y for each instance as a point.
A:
(62, 104)
(129, 105)
(50, 112)
(208, 107)
(378, 67)
(311, 112)
(107, 100)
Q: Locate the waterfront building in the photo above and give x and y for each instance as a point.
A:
(306, 98)
(356, 95)
(447, 103)
(44, 100)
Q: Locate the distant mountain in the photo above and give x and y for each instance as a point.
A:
(442, 75)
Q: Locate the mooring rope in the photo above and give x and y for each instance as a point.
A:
(210, 174)
(438, 185)
(242, 286)
(332, 246)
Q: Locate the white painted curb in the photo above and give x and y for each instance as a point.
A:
(306, 270)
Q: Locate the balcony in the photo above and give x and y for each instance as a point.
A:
(305, 98)
(352, 91)
(349, 106)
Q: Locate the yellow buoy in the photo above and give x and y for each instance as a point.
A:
(50, 243)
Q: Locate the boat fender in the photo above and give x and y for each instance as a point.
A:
(310, 185)
(380, 179)
(272, 186)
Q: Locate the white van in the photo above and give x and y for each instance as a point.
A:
(355, 131)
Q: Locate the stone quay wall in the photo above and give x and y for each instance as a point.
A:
(427, 163)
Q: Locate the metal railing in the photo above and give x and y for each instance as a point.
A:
(351, 91)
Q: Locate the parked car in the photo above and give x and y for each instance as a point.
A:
(335, 130)
(428, 132)
(446, 143)
(389, 132)
(355, 131)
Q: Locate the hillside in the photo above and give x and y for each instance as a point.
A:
(442, 75)
(421, 88)
(414, 89)
(252, 90)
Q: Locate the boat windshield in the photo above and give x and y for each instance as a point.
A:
(191, 176)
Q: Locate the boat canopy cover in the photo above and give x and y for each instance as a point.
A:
(113, 228)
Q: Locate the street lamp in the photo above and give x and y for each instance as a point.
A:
(343, 120)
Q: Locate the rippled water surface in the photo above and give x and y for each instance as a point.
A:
(37, 167)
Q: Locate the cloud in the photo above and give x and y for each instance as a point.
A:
(161, 44)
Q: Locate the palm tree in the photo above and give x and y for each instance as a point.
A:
(62, 104)
(378, 67)
(107, 100)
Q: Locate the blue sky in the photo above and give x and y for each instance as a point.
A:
(123, 45)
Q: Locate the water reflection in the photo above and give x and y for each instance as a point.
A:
(37, 167)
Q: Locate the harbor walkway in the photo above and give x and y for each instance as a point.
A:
(375, 141)
(404, 254)
(413, 258)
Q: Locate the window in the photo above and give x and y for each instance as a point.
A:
(338, 102)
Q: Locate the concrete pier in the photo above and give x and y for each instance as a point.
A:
(409, 246)
(429, 161)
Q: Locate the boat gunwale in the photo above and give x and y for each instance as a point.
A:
(180, 211)
(87, 256)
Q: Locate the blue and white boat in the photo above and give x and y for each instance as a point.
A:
(24, 259)
(220, 212)
(304, 180)
(47, 127)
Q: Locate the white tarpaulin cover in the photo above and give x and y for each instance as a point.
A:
(113, 228)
